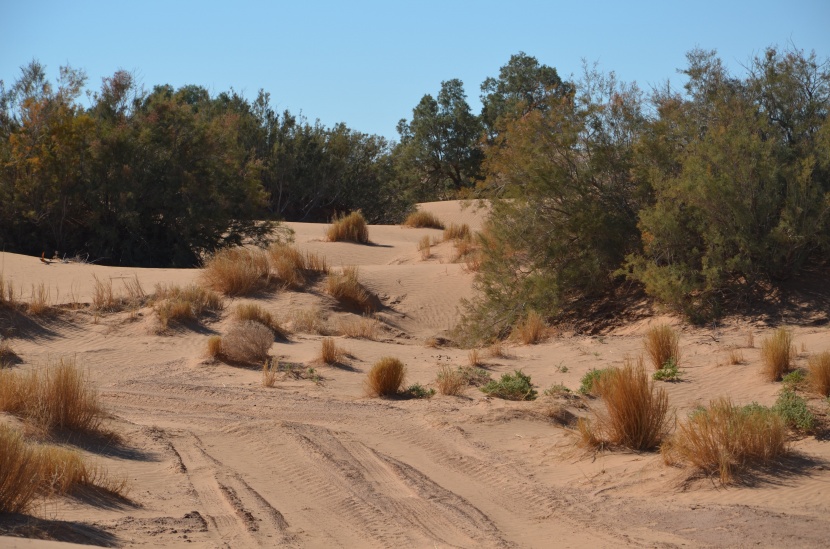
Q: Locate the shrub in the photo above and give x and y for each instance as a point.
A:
(386, 377)
(793, 410)
(637, 414)
(237, 271)
(777, 354)
(416, 390)
(662, 344)
(349, 228)
(248, 342)
(475, 376)
(422, 219)
(818, 367)
(588, 383)
(668, 372)
(255, 313)
(291, 267)
(531, 329)
(457, 232)
(515, 386)
(329, 352)
(344, 286)
(724, 439)
(793, 380)
(450, 381)
(54, 398)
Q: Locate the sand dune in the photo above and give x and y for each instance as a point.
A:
(216, 460)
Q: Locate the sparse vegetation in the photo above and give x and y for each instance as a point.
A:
(308, 321)
(497, 349)
(735, 357)
(386, 377)
(176, 304)
(557, 389)
(214, 347)
(588, 383)
(247, 342)
(457, 232)
(777, 354)
(474, 358)
(270, 369)
(725, 439)
(669, 372)
(793, 410)
(345, 287)
(425, 248)
(255, 312)
(662, 344)
(363, 327)
(515, 386)
(818, 373)
(237, 271)
(349, 228)
(794, 380)
(39, 301)
(531, 329)
(423, 220)
(451, 381)
(416, 390)
(330, 353)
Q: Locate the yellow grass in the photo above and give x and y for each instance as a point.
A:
(474, 358)
(777, 354)
(39, 302)
(425, 248)
(345, 287)
(662, 344)
(750, 339)
(7, 294)
(348, 228)
(18, 469)
(386, 377)
(270, 369)
(237, 271)
(177, 304)
(330, 353)
(637, 412)
(214, 346)
(531, 330)
(364, 327)
(421, 219)
(457, 232)
(736, 357)
(497, 350)
(724, 439)
(451, 381)
(103, 298)
(818, 373)
(254, 312)
(247, 342)
(308, 320)
(287, 265)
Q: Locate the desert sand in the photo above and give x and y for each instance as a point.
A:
(214, 459)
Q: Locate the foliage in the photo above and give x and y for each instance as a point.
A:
(588, 383)
(416, 390)
(793, 410)
(247, 342)
(515, 386)
(669, 372)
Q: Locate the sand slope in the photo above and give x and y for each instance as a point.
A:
(216, 460)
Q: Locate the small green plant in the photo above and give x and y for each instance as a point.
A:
(561, 368)
(668, 372)
(515, 386)
(416, 390)
(793, 410)
(794, 379)
(556, 390)
(587, 385)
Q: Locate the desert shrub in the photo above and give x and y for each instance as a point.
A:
(793, 410)
(669, 372)
(662, 344)
(475, 376)
(793, 380)
(349, 228)
(214, 347)
(330, 353)
(818, 368)
(237, 271)
(724, 439)
(177, 304)
(248, 342)
(777, 354)
(422, 219)
(515, 386)
(54, 398)
(531, 329)
(363, 327)
(254, 312)
(386, 377)
(425, 248)
(416, 390)
(637, 412)
(457, 232)
(588, 383)
(346, 287)
(450, 381)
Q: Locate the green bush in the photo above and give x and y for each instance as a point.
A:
(793, 410)
(515, 386)
(587, 385)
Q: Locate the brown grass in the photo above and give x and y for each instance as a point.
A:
(18, 468)
(530, 330)
(254, 312)
(818, 373)
(349, 228)
(270, 370)
(7, 293)
(662, 344)
(214, 347)
(736, 357)
(386, 377)
(103, 298)
(637, 415)
(237, 271)
(177, 304)
(247, 342)
(346, 287)
(777, 354)
(423, 220)
(289, 266)
(7, 354)
(750, 339)
(425, 248)
(497, 350)
(364, 327)
(457, 232)
(309, 321)
(330, 353)
(451, 381)
(53, 398)
(39, 302)
(474, 358)
(723, 439)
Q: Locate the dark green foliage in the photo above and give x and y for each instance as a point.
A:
(515, 386)
(416, 390)
(793, 410)
(668, 372)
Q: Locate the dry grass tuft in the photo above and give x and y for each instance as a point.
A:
(474, 358)
(247, 342)
(725, 438)
(750, 339)
(349, 228)
(451, 381)
(7, 354)
(423, 220)
(330, 353)
(7, 293)
(270, 370)
(497, 349)
(531, 330)
(736, 357)
(103, 298)
(345, 287)
(364, 327)
(777, 354)
(176, 304)
(39, 302)
(18, 469)
(55, 398)
(386, 377)
(818, 373)
(662, 344)
(309, 321)
(637, 414)
(254, 312)
(237, 271)
(291, 268)
(214, 347)
(457, 232)
(425, 248)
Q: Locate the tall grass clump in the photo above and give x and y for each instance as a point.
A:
(39, 302)
(457, 232)
(330, 353)
(662, 344)
(349, 228)
(423, 220)
(451, 381)
(237, 271)
(777, 354)
(818, 373)
(19, 469)
(637, 412)
(425, 247)
(255, 312)
(531, 329)
(178, 304)
(345, 287)
(725, 439)
(386, 377)
(247, 342)
(54, 398)
(292, 268)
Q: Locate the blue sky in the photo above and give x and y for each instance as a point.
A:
(368, 63)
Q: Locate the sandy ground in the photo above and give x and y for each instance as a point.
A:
(216, 460)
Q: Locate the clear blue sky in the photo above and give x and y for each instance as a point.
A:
(368, 63)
